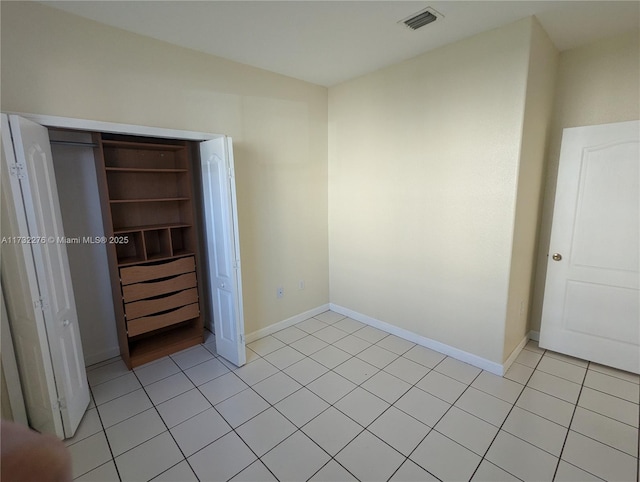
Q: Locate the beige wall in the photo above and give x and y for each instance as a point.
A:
(59, 64)
(423, 170)
(598, 83)
(543, 62)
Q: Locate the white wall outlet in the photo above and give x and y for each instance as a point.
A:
(301, 284)
(280, 292)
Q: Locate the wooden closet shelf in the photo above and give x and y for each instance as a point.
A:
(130, 260)
(150, 227)
(134, 261)
(141, 146)
(147, 349)
(143, 170)
(149, 200)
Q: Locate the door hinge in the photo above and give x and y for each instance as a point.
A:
(60, 404)
(242, 338)
(17, 170)
(41, 304)
(231, 173)
(236, 264)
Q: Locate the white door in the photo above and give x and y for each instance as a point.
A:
(223, 251)
(10, 368)
(20, 288)
(591, 302)
(38, 199)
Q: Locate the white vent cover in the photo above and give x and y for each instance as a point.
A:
(422, 18)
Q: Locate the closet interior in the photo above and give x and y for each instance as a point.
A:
(130, 210)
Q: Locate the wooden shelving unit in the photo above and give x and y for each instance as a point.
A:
(148, 212)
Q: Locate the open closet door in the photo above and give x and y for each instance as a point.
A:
(35, 202)
(222, 247)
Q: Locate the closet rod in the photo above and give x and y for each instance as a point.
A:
(74, 143)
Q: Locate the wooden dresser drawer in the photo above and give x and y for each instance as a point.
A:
(159, 295)
(149, 289)
(141, 308)
(150, 323)
(136, 274)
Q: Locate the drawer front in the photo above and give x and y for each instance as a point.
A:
(150, 323)
(140, 291)
(136, 274)
(138, 309)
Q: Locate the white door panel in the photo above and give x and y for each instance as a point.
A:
(20, 286)
(605, 235)
(44, 221)
(223, 254)
(592, 303)
(10, 371)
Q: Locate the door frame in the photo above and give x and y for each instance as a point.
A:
(138, 130)
(115, 127)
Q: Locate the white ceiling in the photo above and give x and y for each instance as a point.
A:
(327, 42)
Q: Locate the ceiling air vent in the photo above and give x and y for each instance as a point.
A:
(420, 19)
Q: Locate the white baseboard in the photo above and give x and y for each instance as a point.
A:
(281, 325)
(466, 357)
(470, 358)
(514, 354)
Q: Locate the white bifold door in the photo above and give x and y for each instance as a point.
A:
(592, 294)
(37, 284)
(222, 247)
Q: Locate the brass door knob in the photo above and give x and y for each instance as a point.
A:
(556, 256)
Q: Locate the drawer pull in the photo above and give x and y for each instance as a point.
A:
(136, 274)
(149, 289)
(150, 323)
(142, 308)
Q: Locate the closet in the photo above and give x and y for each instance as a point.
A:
(150, 228)
(143, 250)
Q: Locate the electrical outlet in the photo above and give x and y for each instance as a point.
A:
(280, 292)
(301, 284)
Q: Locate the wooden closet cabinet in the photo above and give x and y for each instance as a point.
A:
(150, 224)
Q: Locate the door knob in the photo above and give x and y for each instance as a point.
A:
(66, 323)
(556, 256)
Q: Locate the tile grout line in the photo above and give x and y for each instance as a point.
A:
(332, 457)
(155, 407)
(387, 409)
(249, 386)
(104, 431)
(166, 426)
(330, 405)
(233, 429)
(576, 406)
(504, 421)
(431, 429)
(298, 429)
(333, 405)
(566, 437)
(379, 370)
(432, 369)
(185, 458)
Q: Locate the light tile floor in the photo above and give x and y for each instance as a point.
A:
(331, 399)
